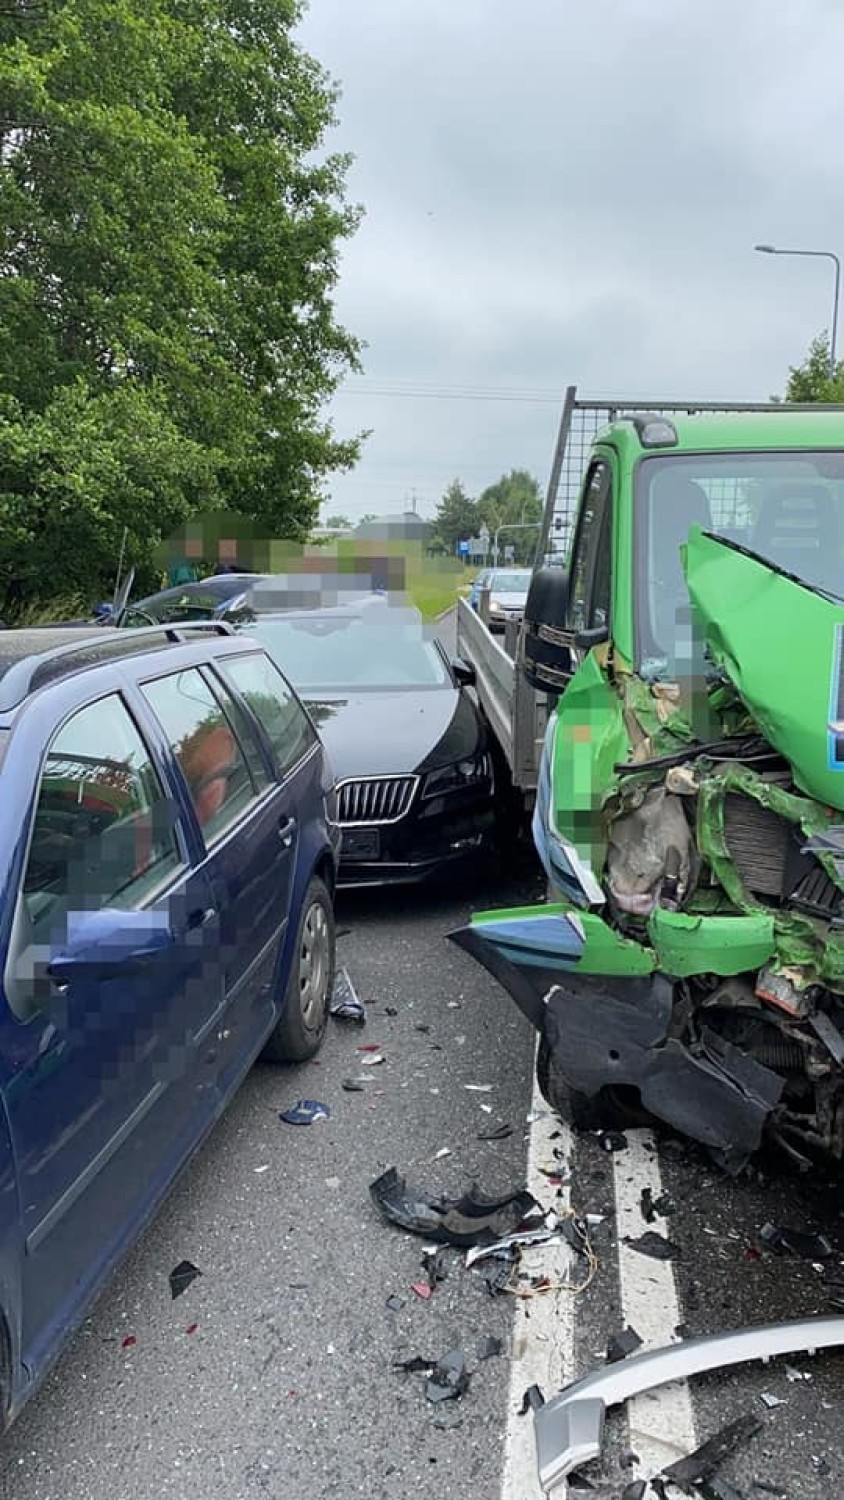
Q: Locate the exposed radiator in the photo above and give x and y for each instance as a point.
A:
(758, 841)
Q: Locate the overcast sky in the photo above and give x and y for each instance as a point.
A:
(568, 192)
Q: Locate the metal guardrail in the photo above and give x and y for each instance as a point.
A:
(495, 674)
(517, 715)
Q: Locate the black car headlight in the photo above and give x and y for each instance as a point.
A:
(457, 776)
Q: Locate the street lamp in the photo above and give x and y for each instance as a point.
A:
(523, 526)
(817, 255)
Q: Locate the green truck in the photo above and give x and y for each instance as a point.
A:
(679, 687)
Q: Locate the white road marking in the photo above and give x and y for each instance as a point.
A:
(662, 1427)
(543, 1326)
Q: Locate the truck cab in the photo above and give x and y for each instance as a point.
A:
(689, 802)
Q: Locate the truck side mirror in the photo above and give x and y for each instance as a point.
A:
(546, 643)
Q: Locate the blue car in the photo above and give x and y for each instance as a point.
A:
(168, 856)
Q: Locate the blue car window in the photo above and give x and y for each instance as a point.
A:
(103, 832)
(245, 729)
(206, 747)
(274, 705)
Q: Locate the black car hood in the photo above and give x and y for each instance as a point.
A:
(394, 733)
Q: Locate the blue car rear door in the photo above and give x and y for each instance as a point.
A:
(248, 822)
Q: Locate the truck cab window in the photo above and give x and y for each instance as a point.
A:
(589, 601)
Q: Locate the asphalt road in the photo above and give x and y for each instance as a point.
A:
(286, 1386)
(272, 1375)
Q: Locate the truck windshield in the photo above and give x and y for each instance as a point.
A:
(787, 507)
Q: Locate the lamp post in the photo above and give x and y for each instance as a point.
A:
(522, 526)
(817, 255)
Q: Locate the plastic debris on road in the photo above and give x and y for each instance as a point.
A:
(460, 1221)
(653, 1244)
(622, 1344)
(306, 1112)
(449, 1378)
(181, 1277)
(655, 1208)
(795, 1242)
(345, 1002)
(701, 1465)
(635, 1491)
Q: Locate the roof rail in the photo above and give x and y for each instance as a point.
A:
(106, 644)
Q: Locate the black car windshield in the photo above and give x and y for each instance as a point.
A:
(516, 582)
(786, 507)
(381, 647)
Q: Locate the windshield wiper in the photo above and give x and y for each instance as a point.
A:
(775, 567)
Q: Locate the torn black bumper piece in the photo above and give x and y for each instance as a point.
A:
(691, 1472)
(449, 1378)
(465, 1221)
(569, 1428)
(797, 1242)
(611, 1033)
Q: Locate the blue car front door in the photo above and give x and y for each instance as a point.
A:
(97, 1048)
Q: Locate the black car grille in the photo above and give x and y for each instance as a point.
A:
(379, 799)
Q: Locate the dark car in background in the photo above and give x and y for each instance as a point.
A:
(212, 598)
(408, 747)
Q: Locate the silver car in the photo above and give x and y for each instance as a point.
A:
(508, 588)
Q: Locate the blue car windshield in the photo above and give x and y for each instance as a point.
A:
(382, 647)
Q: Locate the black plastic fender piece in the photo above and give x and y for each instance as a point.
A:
(612, 1032)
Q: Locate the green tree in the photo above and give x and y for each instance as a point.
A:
(169, 237)
(812, 381)
(456, 517)
(338, 523)
(513, 501)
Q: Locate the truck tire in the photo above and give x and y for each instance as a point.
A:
(298, 1034)
(609, 1109)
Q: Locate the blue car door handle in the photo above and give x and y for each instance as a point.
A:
(286, 830)
(201, 918)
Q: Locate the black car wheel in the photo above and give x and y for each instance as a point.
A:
(299, 1033)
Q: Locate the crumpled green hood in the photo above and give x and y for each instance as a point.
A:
(781, 645)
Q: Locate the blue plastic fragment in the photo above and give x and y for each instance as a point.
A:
(306, 1112)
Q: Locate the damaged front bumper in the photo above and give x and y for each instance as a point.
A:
(617, 1028)
(569, 1428)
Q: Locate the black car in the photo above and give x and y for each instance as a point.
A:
(408, 747)
(210, 599)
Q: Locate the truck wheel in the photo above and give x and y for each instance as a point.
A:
(299, 1032)
(609, 1109)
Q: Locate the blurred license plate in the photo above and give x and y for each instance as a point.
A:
(361, 843)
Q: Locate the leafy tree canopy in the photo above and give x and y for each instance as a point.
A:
(456, 517)
(513, 503)
(812, 381)
(169, 236)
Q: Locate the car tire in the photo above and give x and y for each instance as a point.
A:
(609, 1109)
(298, 1035)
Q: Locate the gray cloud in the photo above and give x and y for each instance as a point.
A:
(570, 192)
